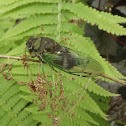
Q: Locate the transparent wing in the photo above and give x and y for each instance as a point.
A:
(76, 63)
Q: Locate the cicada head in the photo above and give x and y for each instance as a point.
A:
(42, 45)
(33, 44)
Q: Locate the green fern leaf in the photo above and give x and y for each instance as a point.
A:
(28, 97)
(50, 30)
(80, 122)
(25, 88)
(6, 2)
(31, 9)
(80, 113)
(12, 91)
(16, 99)
(85, 104)
(5, 85)
(35, 21)
(99, 19)
(12, 112)
(19, 50)
(7, 7)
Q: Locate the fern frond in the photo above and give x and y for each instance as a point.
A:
(85, 104)
(18, 50)
(100, 120)
(25, 88)
(12, 112)
(50, 30)
(19, 106)
(7, 95)
(2, 112)
(100, 101)
(34, 22)
(29, 121)
(7, 7)
(88, 106)
(95, 17)
(6, 2)
(116, 73)
(4, 49)
(80, 113)
(68, 121)
(17, 100)
(34, 109)
(5, 23)
(28, 97)
(114, 18)
(93, 87)
(40, 116)
(31, 9)
(12, 101)
(5, 120)
(26, 77)
(81, 122)
(5, 85)
(42, 119)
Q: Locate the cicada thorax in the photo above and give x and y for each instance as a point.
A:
(61, 55)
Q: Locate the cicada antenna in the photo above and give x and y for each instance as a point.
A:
(25, 50)
(65, 39)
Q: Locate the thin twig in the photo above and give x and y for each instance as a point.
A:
(113, 79)
(120, 42)
(19, 58)
(79, 89)
(77, 101)
(99, 4)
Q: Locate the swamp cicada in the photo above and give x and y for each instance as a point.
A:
(63, 58)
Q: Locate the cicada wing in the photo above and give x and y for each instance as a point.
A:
(76, 63)
(89, 64)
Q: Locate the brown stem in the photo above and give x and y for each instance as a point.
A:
(120, 42)
(105, 76)
(99, 5)
(19, 58)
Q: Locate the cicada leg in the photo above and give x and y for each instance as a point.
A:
(52, 68)
(42, 69)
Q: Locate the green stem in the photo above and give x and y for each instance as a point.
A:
(59, 19)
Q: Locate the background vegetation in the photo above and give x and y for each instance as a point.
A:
(28, 98)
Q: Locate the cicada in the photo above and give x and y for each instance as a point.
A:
(63, 58)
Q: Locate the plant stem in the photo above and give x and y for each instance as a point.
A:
(19, 58)
(113, 79)
(59, 19)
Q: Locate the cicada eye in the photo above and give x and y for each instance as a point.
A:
(30, 47)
